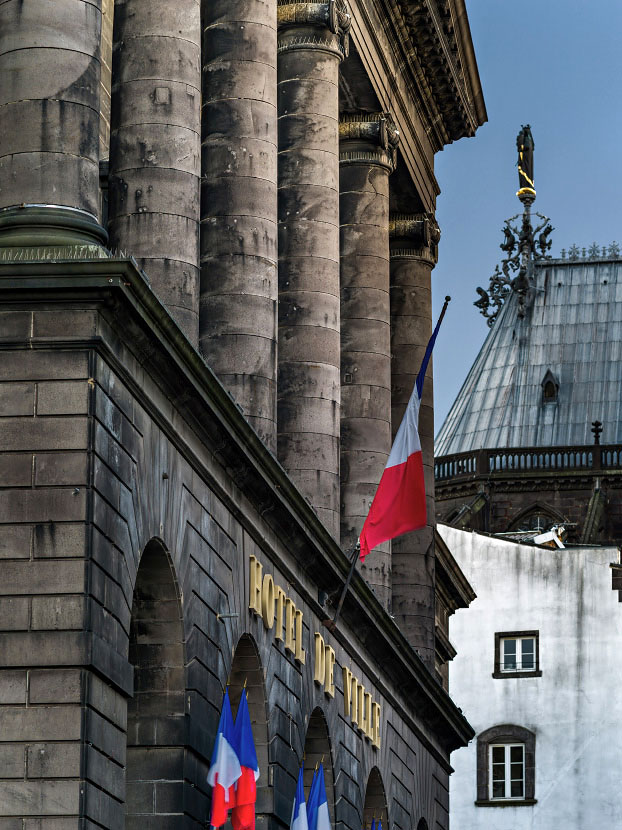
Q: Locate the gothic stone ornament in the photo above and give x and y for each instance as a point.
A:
(523, 246)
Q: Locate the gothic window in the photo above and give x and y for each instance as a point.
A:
(506, 767)
(550, 388)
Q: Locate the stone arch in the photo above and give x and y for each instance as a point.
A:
(317, 748)
(246, 669)
(423, 824)
(375, 806)
(536, 513)
(156, 713)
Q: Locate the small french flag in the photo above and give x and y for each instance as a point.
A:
(299, 812)
(243, 815)
(317, 805)
(225, 767)
(399, 504)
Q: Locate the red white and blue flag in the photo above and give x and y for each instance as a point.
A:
(317, 804)
(225, 767)
(243, 815)
(299, 810)
(399, 504)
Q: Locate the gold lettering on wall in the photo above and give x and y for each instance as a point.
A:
(279, 613)
(269, 601)
(360, 707)
(280, 605)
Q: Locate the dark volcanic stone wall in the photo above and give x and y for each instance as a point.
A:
(122, 538)
(49, 96)
(311, 46)
(238, 328)
(155, 151)
(414, 241)
(367, 153)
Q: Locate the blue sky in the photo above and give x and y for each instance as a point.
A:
(557, 65)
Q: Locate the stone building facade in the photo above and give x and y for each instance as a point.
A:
(560, 708)
(197, 402)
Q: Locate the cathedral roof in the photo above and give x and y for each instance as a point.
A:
(541, 380)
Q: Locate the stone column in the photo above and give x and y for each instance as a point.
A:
(239, 289)
(49, 117)
(313, 38)
(366, 158)
(414, 241)
(155, 148)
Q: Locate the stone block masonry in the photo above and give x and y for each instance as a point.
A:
(134, 498)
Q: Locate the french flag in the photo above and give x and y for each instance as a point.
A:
(317, 805)
(399, 504)
(225, 767)
(299, 811)
(243, 815)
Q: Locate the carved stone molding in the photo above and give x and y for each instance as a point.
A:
(414, 236)
(323, 26)
(368, 138)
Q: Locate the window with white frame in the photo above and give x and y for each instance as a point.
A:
(507, 771)
(506, 766)
(517, 654)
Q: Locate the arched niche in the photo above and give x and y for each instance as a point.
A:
(538, 516)
(375, 801)
(317, 749)
(423, 824)
(246, 668)
(155, 716)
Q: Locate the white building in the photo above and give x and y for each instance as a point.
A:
(538, 675)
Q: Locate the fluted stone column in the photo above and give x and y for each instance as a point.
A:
(49, 122)
(313, 38)
(366, 158)
(239, 283)
(414, 241)
(155, 148)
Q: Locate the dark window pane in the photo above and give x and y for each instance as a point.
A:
(498, 789)
(516, 772)
(498, 754)
(516, 754)
(517, 789)
(509, 655)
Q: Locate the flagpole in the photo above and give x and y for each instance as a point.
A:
(353, 554)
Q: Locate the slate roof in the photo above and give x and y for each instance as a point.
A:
(574, 331)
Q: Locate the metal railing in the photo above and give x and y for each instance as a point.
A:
(527, 459)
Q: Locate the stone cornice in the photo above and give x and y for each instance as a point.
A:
(368, 138)
(125, 297)
(443, 60)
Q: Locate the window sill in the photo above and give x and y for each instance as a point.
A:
(505, 674)
(508, 802)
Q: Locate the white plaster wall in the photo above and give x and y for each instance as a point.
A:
(575, 708)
